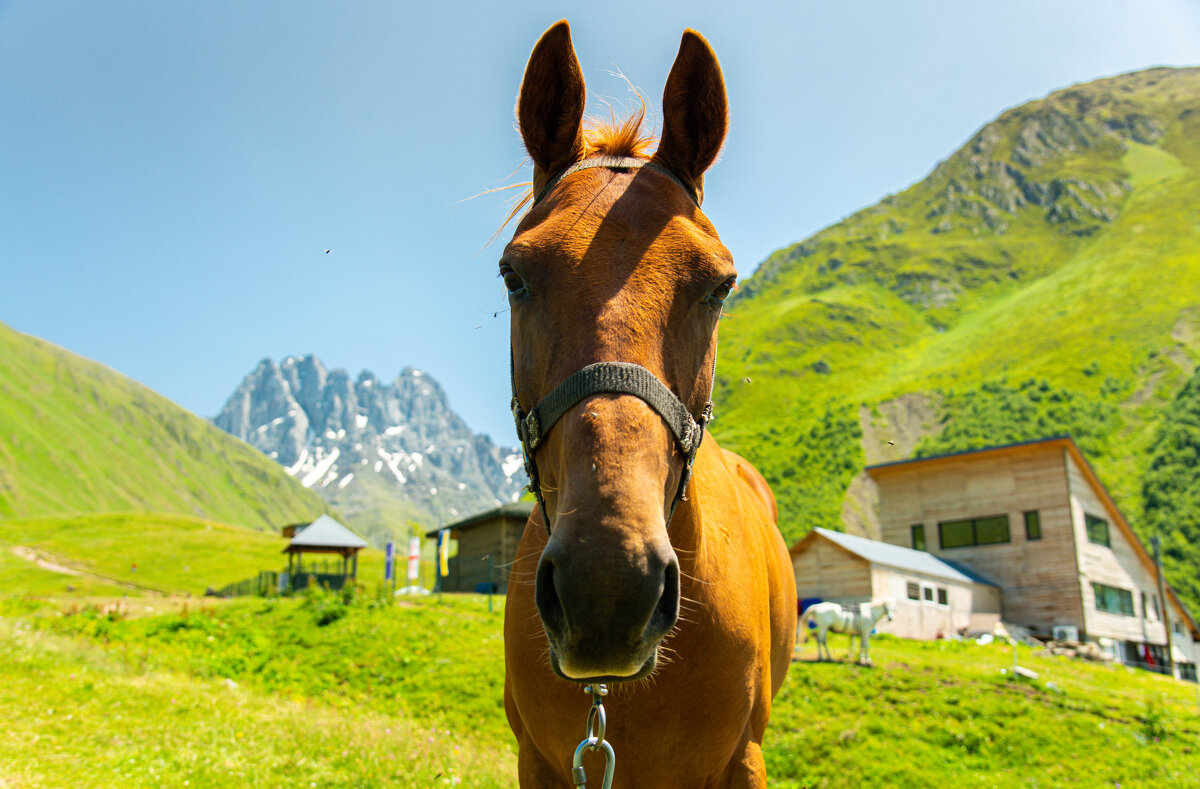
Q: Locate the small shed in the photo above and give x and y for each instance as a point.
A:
(486, 541)
(322, 536)
(932, 595)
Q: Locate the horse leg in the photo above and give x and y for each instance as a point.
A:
(533, 770)
(865, 650)
(748, 771)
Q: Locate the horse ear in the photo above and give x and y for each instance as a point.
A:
(695, 112)
(550, 107)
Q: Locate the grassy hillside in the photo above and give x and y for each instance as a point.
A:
(75, 437)
(410, 695)
(140, 553)
(1171, 488)
(1045, 278)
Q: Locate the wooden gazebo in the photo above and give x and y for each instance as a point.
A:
(322, 536)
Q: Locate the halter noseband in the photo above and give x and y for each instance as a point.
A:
(620, 378)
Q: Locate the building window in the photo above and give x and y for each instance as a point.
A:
(929, 593)
(1033, 526)
(918, 536)
(1097, 530)
(914, 590)
(975, 531)
(1113, 600)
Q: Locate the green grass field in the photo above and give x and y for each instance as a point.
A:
(172, 554)
(317, 691)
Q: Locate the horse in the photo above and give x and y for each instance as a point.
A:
(652, 564)
(831, 616)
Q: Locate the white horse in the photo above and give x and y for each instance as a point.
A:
(857, 623)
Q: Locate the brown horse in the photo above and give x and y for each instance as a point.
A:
(677, 591)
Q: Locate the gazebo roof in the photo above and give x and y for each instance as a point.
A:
(325, 534)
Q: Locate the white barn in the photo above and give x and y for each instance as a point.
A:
(933, 597)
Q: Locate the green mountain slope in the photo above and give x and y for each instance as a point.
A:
(1045, 278)
(76, 437)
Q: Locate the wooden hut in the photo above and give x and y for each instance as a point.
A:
(487, 545)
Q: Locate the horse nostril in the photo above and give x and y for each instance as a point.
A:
(546, 596)
(667, 610)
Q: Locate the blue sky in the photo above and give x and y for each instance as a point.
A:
(171, 173)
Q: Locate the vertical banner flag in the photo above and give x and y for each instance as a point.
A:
(414, 560)
(443, 549)
(389, 561)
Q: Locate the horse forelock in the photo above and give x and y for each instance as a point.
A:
(601, 137)
(612, 137)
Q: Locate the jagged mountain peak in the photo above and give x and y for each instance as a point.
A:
(386, 452)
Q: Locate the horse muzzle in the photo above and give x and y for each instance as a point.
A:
(605, 612)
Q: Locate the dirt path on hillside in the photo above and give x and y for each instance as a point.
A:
(47, 562)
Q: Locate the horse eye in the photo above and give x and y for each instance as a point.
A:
(512, 281)
(722, 292)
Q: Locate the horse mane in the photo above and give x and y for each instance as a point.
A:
(601, 137)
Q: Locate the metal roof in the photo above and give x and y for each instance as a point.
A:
(902, 558)
(325, 532)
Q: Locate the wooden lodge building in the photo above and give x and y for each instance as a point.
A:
(1034, 520)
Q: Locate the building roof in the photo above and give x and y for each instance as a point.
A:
(325, 532)
(517, 510)
(1060, 439)
(899, 557)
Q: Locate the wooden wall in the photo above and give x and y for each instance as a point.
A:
(1039, 579)
(831, 573)
(1121, 566)
(497, 538)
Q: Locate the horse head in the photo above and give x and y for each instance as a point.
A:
(613, 263)
(889, 608)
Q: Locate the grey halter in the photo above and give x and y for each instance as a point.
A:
(620, 378)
